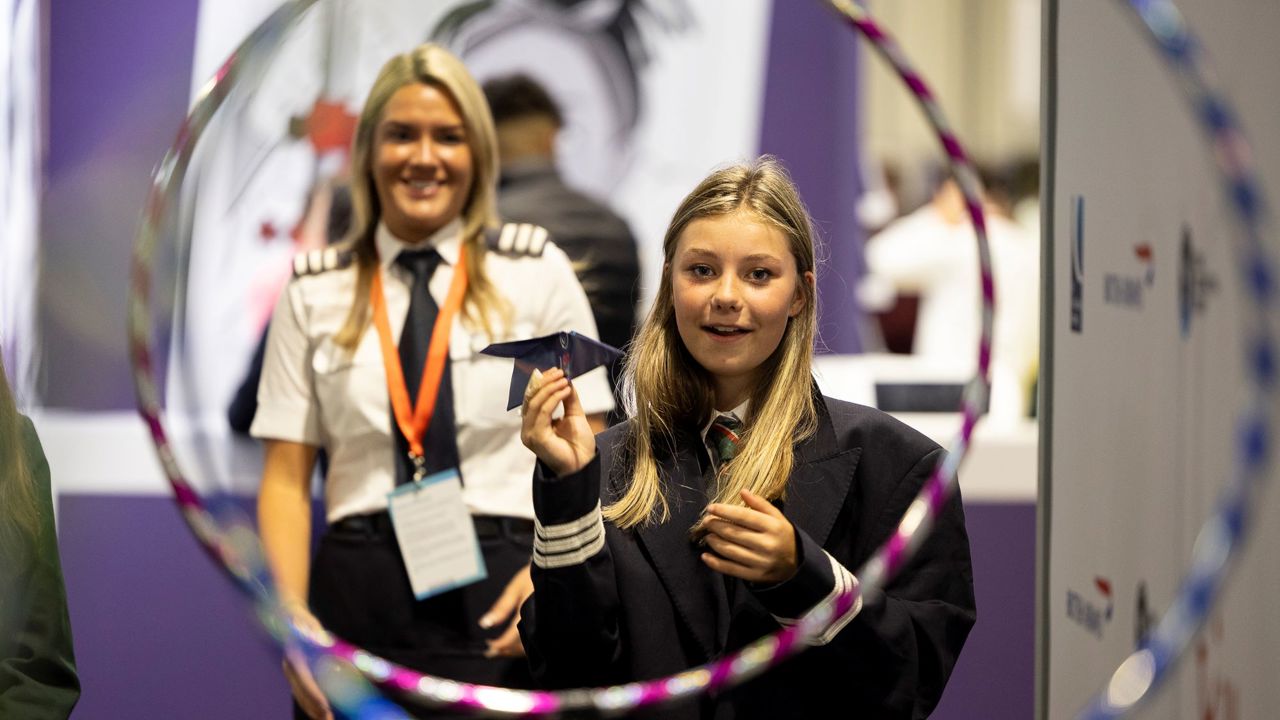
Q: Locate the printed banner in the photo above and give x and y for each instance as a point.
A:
(20, 144)
(1147, 362)
(651, 106)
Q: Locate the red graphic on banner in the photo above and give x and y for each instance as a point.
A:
(1217, 696)
(330, 127)
(1147, 257)
(1104, 587)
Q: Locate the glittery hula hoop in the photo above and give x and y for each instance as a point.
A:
(1146, 669)
(233, 544)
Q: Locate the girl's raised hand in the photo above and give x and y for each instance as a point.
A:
(565, 445)
(755, 543)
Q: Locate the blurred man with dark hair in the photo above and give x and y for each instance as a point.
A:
(530, 190)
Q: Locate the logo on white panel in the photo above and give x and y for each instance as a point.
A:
(1077, 264)
(1195, 283)
(1092, 609)
(1126, 290)
(1144, 620)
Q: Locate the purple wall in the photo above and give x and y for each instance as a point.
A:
(160, 632)
(995, 677)
(811, 122)
(119, 79)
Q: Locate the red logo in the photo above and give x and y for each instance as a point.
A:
(1147, 257)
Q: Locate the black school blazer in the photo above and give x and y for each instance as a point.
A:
(639, 604)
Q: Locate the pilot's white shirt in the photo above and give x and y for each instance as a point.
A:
(315, 392)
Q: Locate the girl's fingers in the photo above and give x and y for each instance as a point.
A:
(571, 404)
(536, 423)
(535, 382)
(755, 502)
(544, 401)
(735, 533)
(538, 381)
(548, 408)
(736, 553)
(744, 516)
(728, 567)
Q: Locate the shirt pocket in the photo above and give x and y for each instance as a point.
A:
(351, 388)
(481, 383)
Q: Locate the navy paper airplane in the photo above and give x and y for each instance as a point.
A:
(575, 354)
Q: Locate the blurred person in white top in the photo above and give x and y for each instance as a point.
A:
(932, 252)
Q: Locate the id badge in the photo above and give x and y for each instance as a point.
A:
(437, 538)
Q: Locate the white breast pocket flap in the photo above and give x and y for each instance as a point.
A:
(481, 382)
(351, 386)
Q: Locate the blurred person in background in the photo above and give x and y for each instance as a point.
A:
(932, 253)
(38, 679)
(595, 238)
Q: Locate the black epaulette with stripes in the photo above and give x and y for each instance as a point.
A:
(314, 262)
(517, 239)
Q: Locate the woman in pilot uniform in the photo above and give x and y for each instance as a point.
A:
(347, 365)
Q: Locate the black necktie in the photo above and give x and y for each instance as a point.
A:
(439, 446)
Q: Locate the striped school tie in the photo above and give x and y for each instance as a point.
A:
(722, 438)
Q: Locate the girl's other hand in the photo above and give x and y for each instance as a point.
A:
(756, 543)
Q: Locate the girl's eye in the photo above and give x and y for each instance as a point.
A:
(701, 271)
(759, 275)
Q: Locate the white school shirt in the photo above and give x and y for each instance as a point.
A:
(315, 392)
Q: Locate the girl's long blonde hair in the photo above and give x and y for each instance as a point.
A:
(668, 389)
(432, 65)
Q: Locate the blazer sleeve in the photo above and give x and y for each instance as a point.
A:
(38, 679)
(907, 639)
(570, 625)
(903, 642)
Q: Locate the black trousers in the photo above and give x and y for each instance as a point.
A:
(360, 591)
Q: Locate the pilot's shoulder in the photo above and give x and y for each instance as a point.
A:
(517, 239)
(315, 262)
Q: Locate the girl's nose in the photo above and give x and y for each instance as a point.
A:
(727, 295)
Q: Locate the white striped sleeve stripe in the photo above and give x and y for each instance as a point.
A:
(569, 529)
(571, 543)
(551, 561)
(844, 581)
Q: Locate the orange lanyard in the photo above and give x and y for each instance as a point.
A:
(413, 422)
